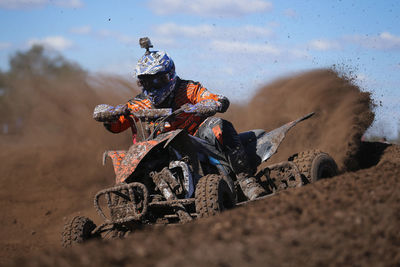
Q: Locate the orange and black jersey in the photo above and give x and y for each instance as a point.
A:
(185, 92)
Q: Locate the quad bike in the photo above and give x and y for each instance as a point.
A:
(174, 177)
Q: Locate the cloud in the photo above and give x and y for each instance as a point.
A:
(27, 4)
(247, 40)
(81, 30)
(172, 29)
(291, 13)
(164, 41)
(245, 48)
(324, 45)
(103, 34)
(254, 52)
(297, 53)
(4, 45)
(383, 41)
(69, 3)
(210, 31)
(15, 4)
(231, 8)
(106, 34)
(53, 42)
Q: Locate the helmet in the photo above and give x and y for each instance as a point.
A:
(155, 72)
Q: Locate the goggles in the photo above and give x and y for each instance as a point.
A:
(152, 82)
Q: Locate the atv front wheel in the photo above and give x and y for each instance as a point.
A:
(78, 230)
(213, 196)
(314, 165)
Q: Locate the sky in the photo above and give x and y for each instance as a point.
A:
(232, 46)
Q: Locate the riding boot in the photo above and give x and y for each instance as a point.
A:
(222, 133)
(245, 173)
(250, 187)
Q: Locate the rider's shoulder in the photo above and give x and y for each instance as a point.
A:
(189, 83)
(138, 98)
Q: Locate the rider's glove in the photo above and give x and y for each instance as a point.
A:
(204, 108)
(120, 110)
(107, 113)
(189, 108)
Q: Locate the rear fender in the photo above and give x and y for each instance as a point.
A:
(261, 145)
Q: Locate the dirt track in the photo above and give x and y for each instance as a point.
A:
(350, 219)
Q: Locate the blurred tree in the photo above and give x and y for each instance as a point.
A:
(3, 88)
(4, 103)
(38, 61)
(33, 74)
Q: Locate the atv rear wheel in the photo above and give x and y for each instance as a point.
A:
(213, 196)
(77, 231)
(314, 165)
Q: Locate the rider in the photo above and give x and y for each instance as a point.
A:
(162, 88)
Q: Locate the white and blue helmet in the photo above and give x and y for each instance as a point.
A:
(155, 72)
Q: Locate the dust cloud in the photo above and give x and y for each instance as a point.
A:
(342, 114)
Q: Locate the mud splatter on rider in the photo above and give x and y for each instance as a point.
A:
(162, 88)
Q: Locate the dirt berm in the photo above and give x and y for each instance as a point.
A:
(52, 171)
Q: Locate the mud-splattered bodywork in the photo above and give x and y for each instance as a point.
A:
(260, 146)
(125, 162)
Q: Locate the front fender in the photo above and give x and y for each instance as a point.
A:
(127, 162)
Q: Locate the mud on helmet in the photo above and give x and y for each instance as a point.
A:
(155, 72)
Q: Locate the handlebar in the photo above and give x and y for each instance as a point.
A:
(159, 116)
(157, 113)
(152, 114)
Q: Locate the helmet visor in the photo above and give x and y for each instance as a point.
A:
(154, 82)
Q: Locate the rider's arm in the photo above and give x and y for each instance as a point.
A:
(199, 94)
(124, 121)
(112, 117)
